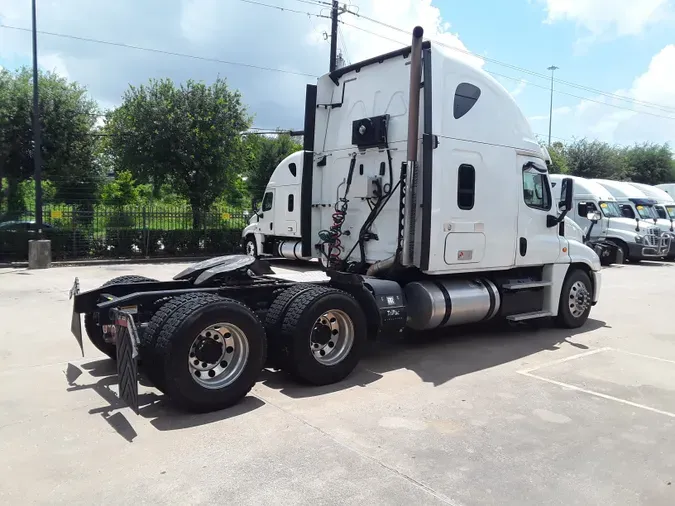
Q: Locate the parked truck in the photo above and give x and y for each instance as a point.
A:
(665, 205)
(635, 239)
(636, 205)
(427, 198)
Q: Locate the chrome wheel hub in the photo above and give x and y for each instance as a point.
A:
(250, 248)
(332, 337)
(579, 299)
(218, 355)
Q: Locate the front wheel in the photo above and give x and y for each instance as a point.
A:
(575, 300)
(251, 247)
(324, 333)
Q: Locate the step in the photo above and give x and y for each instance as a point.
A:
(528, 316)
(526, 285)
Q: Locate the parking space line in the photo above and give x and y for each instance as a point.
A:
(643, 356)
(563, 360)
(598, 394)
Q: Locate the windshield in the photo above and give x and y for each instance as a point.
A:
(646, 212)
(611, 210)
(671, 211)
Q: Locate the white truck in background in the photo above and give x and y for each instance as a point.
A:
(665, 205)
(637, 239)
(636, 205)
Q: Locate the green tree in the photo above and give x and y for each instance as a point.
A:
(595, 159)
(187, 136)
(264, 154)
(121, 191)
(67, 118)
(649, 163)
(559, 163)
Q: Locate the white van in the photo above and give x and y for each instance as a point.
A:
(638, 239)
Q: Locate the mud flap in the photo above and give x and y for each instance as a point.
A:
(127, 355)
(75, 320)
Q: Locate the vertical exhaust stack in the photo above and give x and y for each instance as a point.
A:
(413, 139)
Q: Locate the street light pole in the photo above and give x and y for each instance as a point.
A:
(552, 68)
(37, 143)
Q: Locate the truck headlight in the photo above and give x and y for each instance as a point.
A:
(639, 239)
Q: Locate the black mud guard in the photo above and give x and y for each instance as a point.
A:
(233, 264)
(127, 358)
(382, 300)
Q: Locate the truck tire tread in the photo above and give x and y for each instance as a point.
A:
(178, 385)
(298, 320)
(94, 331)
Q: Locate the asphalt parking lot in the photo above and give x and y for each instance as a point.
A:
(471, 417)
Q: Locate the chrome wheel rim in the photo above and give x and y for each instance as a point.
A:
(218, 355)
(579, 299)
(332, 337)
(250, 248)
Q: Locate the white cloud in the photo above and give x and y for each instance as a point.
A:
(225, 30)
(520, 87)
(649, 115)
(609, 17)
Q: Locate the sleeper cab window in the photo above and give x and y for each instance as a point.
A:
(267, 201)
(536, 192)
(466, 186)
(291, 198)
(466, 96)
(293, 168)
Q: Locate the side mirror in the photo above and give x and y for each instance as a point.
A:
(637, 224)
(594, 216)
(566, 194)
(254, 204)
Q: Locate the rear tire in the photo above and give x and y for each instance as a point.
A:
(94, 330)
(575, 300)
(314, 320)
(622, 252)
(223, 341)
(277, 355)
(153, 367)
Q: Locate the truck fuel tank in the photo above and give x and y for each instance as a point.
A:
(447, 302)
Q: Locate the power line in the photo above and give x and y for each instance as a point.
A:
(519, 79)
(159, 51)
(285, 9)
(615, 96)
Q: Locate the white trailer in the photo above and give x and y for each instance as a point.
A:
(427, 198)
(638, 206)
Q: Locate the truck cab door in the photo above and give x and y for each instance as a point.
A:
(537, 244)
(266, 222)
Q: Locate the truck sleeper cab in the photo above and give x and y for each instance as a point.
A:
(457, 225)
(638, 206)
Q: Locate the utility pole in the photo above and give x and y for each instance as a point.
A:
(37, 142)
(334, 13)
(552, 68)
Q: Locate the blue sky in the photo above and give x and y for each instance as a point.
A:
(615, 46)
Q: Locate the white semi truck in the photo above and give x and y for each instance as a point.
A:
(427, 198)
(637, 239)
(636, 205)
(665, 205)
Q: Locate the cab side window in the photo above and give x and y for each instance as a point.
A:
(627, 211)
(536, 191)
(585, 208)
(267, 201)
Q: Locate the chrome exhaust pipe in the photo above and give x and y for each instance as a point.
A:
(413, 134)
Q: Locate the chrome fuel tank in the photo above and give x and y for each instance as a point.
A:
(442, 303)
